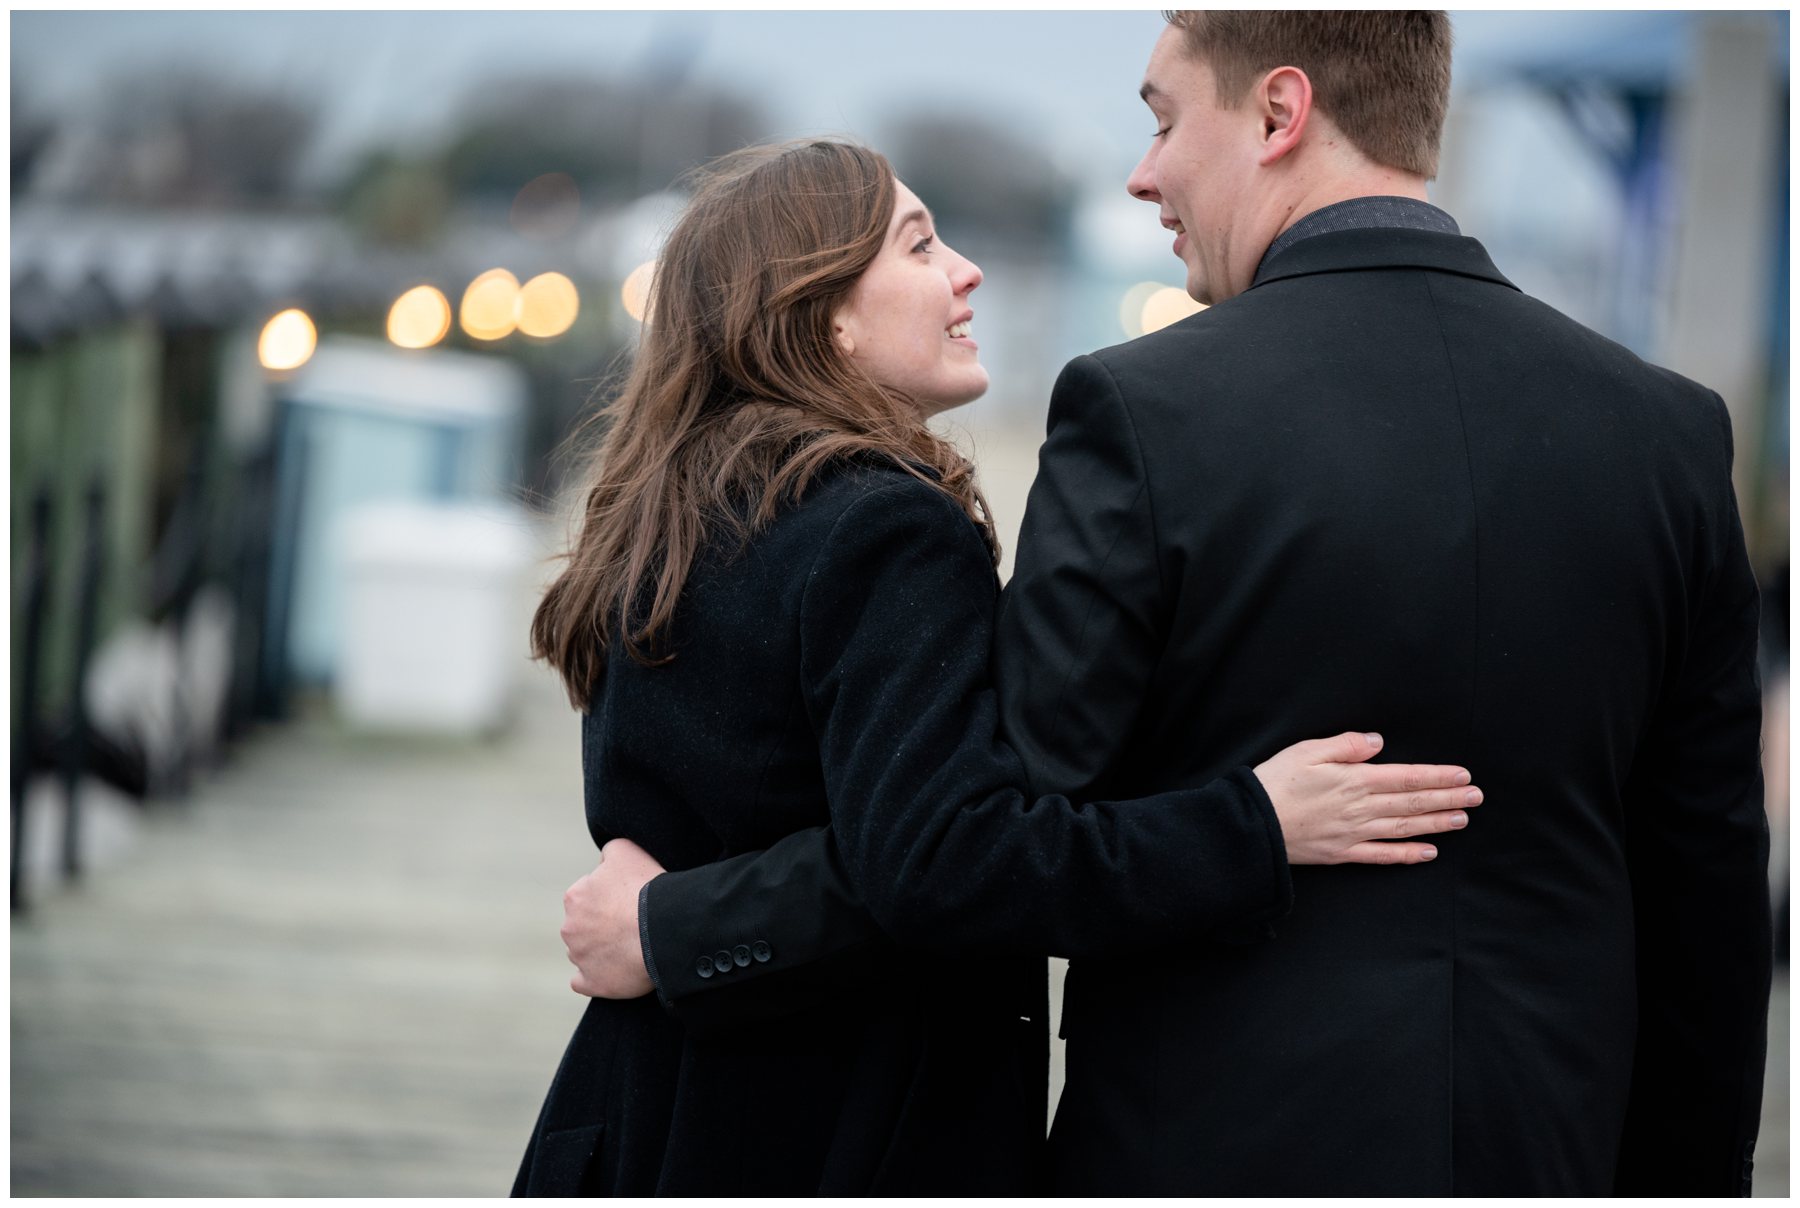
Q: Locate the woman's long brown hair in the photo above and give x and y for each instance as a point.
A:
(737, 398)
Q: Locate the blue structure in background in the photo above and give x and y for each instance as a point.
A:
(1620, 92)
(362, 423)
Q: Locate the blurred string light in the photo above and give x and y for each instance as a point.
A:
(547, 305)
(636, 291)
(419, 318)
(490, 306)
(548, 207)
(1131, 309)
(287, 341)
(1165, 306)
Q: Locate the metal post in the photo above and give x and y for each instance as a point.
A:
(26, 727)
(75, 740)
(288, 494)
(250, 579)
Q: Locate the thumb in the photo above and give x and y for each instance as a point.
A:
(1352, 746)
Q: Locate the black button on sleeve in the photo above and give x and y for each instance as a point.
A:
(761, 951)
(703, 966)
(740, 955)
(722, 961)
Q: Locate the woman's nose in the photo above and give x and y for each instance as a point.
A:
(968, 275)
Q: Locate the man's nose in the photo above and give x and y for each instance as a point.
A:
(1141, 184)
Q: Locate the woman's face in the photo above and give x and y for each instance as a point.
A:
(907, 320)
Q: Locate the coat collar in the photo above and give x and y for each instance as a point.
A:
(1381, 247)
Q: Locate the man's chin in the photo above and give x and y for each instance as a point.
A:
(1197, 288)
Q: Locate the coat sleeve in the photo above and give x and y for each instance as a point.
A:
(1084, 617)
(1697, 843)
(931, 829)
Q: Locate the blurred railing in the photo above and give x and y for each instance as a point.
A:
(113, 619)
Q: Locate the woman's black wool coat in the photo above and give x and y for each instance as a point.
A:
(834, 669)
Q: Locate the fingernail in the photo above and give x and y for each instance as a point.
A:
(1460, 820)
(1473, 796)
(1374, 739)
(1429, 853)
(1462, 777)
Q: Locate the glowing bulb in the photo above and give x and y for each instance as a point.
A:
(490, 305)
(1131, 310)
(548, 305)
(1168, 305)
(419, 318)
(287, 341)
(636, 290)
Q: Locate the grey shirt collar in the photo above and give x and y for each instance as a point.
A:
(1361, 212)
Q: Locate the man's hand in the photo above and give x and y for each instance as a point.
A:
(600, 924)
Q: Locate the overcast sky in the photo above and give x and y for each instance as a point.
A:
(1065, 79)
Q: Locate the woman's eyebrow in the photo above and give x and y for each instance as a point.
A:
(911, 216)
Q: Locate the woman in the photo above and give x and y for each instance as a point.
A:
(776, 616)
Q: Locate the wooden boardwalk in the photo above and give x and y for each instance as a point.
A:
(335, 971)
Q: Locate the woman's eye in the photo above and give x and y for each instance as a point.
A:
(924, 245)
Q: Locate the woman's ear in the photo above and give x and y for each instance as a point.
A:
(840, 335)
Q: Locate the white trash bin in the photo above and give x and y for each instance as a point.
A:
(435, 614)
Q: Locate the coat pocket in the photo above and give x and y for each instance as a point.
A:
(561, 1163)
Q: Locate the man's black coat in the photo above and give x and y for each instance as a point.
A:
(1383, 489)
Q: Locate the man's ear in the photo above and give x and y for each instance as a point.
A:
(1285, 100)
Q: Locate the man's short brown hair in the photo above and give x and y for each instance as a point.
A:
(1382, 77)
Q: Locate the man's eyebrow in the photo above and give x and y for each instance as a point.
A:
(1148, 90)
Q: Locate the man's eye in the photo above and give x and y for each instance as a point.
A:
(1160, 131)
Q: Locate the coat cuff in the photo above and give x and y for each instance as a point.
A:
(643, 914)
(1260, 926)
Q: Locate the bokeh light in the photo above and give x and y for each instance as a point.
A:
(548, 304)
(419, 318)
(490, 306)
(287, 341)
(1168, 305)
(636, 290)
(1131, 309)
(548, 207)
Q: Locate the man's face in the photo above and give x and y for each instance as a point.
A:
(1199, 169)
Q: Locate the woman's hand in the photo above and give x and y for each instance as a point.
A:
(600, 924)
(1336, 808)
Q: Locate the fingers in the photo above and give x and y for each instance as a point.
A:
(1393, 805)
(1388, 853)
(1412, 777)
(1350, 747)
(1407, 825)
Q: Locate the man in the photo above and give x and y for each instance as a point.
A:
(1371, 431)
